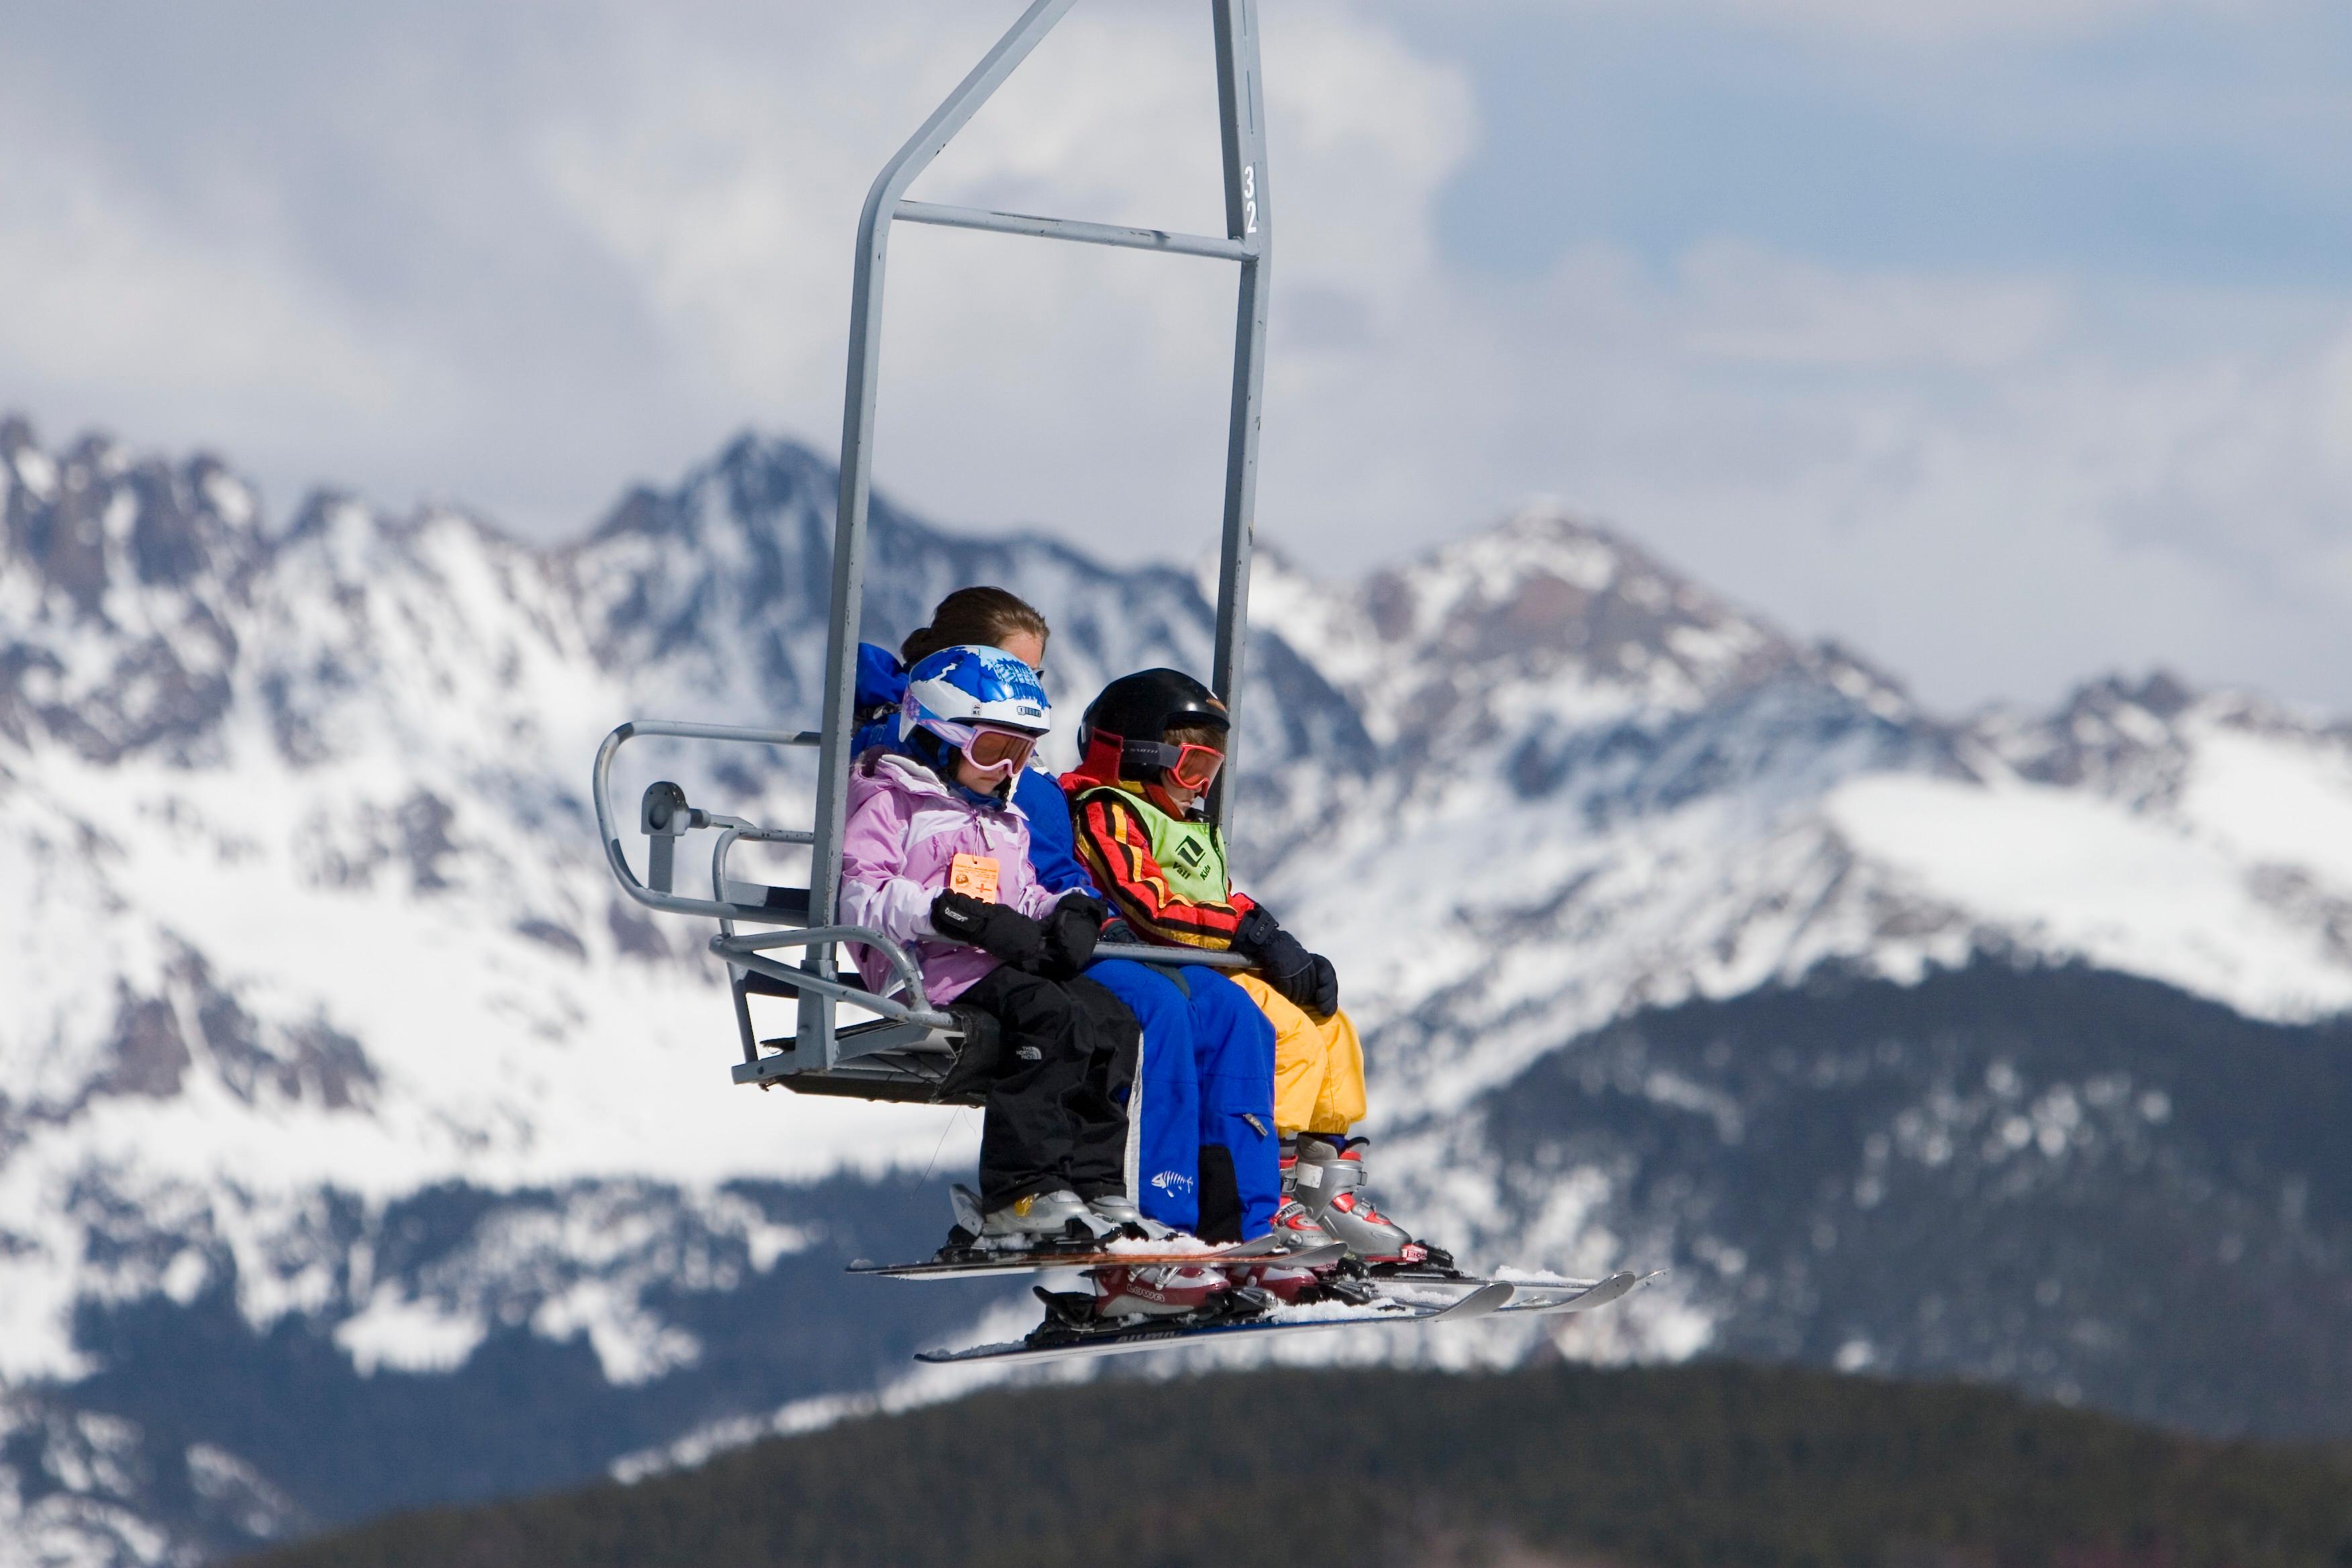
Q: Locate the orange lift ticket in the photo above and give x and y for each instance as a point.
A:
(974, 875)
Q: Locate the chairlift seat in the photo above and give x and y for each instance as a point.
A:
(883, 1060)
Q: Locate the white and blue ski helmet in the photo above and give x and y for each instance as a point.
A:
(957, 688)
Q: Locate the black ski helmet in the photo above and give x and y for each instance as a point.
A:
(1132, 712)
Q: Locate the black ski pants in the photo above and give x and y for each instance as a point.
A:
(1052, 1122)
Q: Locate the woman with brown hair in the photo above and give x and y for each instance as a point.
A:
(980, 617)
(1201, 1115)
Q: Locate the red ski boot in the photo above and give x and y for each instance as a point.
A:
(1329, 1176)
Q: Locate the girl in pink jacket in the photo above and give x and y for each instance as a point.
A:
(935, 856)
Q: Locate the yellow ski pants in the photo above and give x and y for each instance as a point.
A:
(1318, 1064)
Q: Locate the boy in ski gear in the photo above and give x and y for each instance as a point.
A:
(935, 856)
(1153, 743)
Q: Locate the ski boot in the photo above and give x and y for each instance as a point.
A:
(1041, 1222)
(1293, 1225)
(1296, 1230)
(1160, 1290)
(1119, 1212)
(1328, 1175)
(1142, 1301)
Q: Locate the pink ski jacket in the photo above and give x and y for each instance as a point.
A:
(905, 827)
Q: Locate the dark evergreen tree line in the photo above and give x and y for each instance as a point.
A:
(1695, 1467)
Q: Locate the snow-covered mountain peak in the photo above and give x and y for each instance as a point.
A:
(2119, 735)
(737, 557)
(117, 584)
(2141, 742)
(1546, 616)
(95, 518)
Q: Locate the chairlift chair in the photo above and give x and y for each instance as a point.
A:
(903, 1049)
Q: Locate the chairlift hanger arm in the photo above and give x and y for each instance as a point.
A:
(1248, 240)
(1241, 122)
(815, 1057)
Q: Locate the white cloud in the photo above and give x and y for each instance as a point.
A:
(2071, 497)
(1944, 21)
(104, 286)
(456, 254)
(1744, 303)
(1910, 22)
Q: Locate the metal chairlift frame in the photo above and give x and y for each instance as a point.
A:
(905, 1051)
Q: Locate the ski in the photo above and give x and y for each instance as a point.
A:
(1533, 1295)
(973, 1264)
(1491, 1297)
(1544, 1298)
(1149, 1335)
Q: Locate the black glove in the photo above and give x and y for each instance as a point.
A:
(1071, 932)
(1312, 987)
(1321, 997)
(1258, 935)
(1306, 979)
(1117, 929)
(993, 927)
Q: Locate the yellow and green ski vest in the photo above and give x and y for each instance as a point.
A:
(1191, 855)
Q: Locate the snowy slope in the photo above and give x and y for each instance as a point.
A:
(1642, 794)
(312, 924)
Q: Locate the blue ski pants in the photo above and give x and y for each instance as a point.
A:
(1202, 1138)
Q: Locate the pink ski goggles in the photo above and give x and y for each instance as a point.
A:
(995, 751)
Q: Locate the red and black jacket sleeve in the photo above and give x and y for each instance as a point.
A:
(1116, 847)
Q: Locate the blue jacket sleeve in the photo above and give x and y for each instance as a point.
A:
(881, 683)
(1051, 854)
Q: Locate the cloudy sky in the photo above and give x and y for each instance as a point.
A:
(2010, 340)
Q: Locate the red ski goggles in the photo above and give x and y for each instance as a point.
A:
(1191, 767)
(1195, 767)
